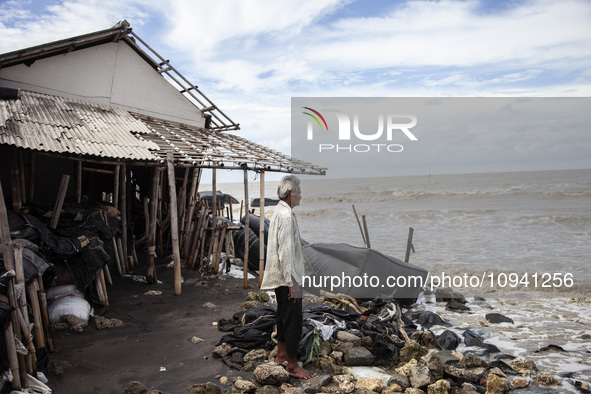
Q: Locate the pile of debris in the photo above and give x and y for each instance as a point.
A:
(342, 339)
(52, 276)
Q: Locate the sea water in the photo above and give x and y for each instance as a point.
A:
(526, 236)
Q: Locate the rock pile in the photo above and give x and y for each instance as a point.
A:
(416, 360)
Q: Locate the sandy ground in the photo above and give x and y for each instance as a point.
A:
(154, 345)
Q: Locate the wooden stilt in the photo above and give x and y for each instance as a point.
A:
(182, 206)
(189, 216)
(151, 240)
(107, 273)
(32, 157)
(12, 357)
(123, 179)
(21, 175)
(122, 257)
(32, 289)
(262, 227)
(174, 225)
(368, 244)
(117, 256)
(17, 203)
(409, 244)
(246, 230)
(57, 210)
(21, 302)
(116, 178)
(78, 182)
(45, 313)
(359, 224)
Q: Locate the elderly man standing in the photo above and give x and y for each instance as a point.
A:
(283, 273)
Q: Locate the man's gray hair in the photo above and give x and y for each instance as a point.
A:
(286, 184)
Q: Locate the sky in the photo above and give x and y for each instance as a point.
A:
(252, 56)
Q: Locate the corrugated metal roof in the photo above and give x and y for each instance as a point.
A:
(67, 126)
(62, 125)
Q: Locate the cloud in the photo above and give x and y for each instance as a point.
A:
(298, 53)
(25, 23)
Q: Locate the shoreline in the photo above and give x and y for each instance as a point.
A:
(154, 346)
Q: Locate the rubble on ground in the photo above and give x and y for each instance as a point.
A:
(341, 335)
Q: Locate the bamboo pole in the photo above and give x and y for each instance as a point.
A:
(231, 215)
(32, 289)
(116, 185)
(21, 302)
(21, 173)
(246, 231)
(368, 244)
(123, 179)
(151, 241)
(7, 252)
(122, 258)
(182, 205)
(359, 224)
(262, 228)
(79, 182)
(32, 157)
(409, 244)
(198, 235)
(189, 216)
(15, 181)
(45, 313)
(12, 356)
(174, 225)
(57, 210)
(215, 258)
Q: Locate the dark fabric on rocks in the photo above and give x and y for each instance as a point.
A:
(429, 319)
(448, 340)
(473, 339)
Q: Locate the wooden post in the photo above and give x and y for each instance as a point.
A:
(34, 300)
(231, 216)
(12, 356)
(151, 241)
(123, 179)
(116, 186)
(262, 228)
(368, 244)
(215, 258)
(214, 198)
(21, 173)
(246, 230)
(79, 182)
(45, 313)
(7, 251)
(57, 209)
(17, 203)
(5, 235)
(359, 224)
(189, 216)
(174, 225)
(182, 205)
(32, 175)
(409, 244)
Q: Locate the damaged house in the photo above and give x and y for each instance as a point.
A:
(102, 146)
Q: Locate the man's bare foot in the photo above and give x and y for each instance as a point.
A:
(299, 372)
(281, 356)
